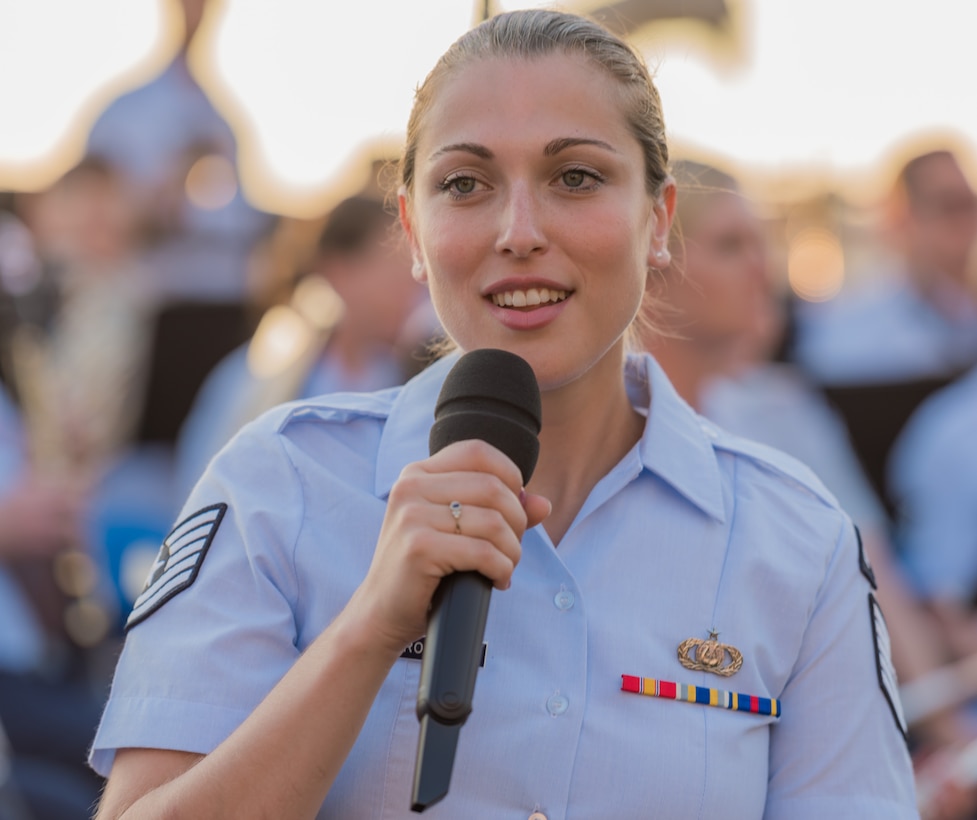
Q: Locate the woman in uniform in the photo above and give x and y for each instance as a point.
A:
(681, 625)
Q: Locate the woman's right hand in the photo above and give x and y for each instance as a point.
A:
(419, 543)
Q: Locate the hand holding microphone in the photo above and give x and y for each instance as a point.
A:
(492, 396)
(436, 561)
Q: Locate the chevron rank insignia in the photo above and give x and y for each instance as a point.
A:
(883, 665)
(178, 562)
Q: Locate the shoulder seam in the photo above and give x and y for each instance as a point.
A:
(777, 462)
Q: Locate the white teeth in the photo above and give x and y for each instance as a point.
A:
(528, 298)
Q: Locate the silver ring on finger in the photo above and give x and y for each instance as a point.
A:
(455, 508)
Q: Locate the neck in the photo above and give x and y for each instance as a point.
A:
(588, 427)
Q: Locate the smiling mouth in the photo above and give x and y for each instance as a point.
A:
(529, 298)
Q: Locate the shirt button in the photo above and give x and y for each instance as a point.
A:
(557, 704)
(564, 599)
(537, 815)
(709, 430)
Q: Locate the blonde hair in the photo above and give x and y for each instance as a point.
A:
(535, 33)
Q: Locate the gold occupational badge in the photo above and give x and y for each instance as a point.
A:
(710, 655)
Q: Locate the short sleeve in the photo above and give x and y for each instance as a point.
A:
(234, 541)
(839, 749)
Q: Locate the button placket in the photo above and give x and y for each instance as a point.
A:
(564, 599)
(557, 704)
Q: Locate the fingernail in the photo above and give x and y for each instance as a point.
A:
(522, 496)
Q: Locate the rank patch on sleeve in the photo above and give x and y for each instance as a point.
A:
(178, 562)
(883, 664)
(863, 565)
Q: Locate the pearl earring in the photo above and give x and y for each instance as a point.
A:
(417, 268)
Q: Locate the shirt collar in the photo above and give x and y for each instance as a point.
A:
(405, 435)
(677, 444)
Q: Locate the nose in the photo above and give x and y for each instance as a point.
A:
(521, 230)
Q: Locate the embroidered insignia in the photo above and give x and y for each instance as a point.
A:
(710, 655)
(734, 701)
(863, 565)
(178, 562)
(888, 681)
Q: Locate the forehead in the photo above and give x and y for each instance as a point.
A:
(503, 98)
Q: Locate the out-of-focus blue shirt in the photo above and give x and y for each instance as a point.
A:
(694, 530)
(884, 331)
(773, 404)
(151, 132)
(933, 474)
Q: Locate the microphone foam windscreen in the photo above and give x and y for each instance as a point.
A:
(491, 395)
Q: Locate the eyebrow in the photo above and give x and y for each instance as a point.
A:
(466, 147)
(552, 148)
(555, 146)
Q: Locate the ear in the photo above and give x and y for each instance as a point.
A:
(663, 211)
(403, 209)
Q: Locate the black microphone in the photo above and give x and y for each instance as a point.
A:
(490, 395)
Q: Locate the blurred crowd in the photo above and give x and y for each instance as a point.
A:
(147, 311)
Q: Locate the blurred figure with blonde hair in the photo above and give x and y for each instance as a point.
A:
(345, 328)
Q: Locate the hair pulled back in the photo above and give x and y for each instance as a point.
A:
(533, 33)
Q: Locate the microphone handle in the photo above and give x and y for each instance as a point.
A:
(453, 647)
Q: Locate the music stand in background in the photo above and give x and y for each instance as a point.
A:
(875, 415)
(189, 339)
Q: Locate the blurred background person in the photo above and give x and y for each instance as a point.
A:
(180, 156)
(933, 471)
(919, 319)
(354, 320)
(49, 704)
(84, 353)
(723, 321)
(933, 477)
(75, 319)
(714, 337)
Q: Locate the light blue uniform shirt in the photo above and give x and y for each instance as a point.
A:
(884, 331)
(228, 391)
(693, 530)
(933, 474)
(773, 403)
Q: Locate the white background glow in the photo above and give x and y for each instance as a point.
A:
(826, 87)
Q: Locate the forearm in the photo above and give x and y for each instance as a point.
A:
(282, 761)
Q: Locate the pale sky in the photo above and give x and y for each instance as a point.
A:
(828, 88)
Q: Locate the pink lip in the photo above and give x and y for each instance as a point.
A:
(528, 319)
